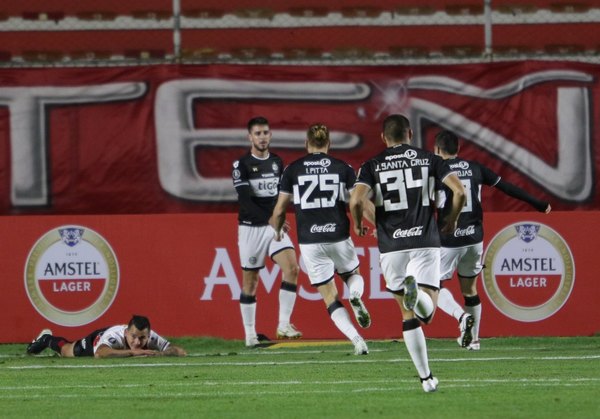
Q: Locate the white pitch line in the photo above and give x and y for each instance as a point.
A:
(397, 385)
(312, 362)
(216, 384)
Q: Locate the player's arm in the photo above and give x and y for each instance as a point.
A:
(459, 198)
(358, 198)
(173, 350)
(105, 351)
(277, 220)
(369, 210)
(518, 193)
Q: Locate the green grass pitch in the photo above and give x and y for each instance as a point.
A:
(508, 378)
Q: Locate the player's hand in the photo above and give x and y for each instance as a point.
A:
(361, 230)
(548, 209)
(143, 352)
(448, 227)
(278, 235)
(286, 227)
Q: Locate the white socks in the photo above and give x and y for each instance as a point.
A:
(424, 307)
(287, 299)
(449, 305)
(356, 285)
(417, 348)
(342, 321)
(475, 311)
(249, 319)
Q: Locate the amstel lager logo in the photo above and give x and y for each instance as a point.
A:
(71, 275)
(529, 272)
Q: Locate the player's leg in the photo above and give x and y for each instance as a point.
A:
(286, 259)
(424, 267)
(248, 306)
(320, 269)
(394, 268)
(284, 255)
(66, 350)
(468, 270)
(448, 304)
(340, 317)
(449, 257)
(473, 307)
(253, 245)
(414, 339)
(356, 286)
(47, 340)
(346, 264)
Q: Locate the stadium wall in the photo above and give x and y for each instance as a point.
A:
(115, 189)
(75, 273)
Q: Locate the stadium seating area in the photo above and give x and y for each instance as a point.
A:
(214, 30)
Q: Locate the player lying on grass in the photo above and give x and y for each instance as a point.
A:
(134, 339)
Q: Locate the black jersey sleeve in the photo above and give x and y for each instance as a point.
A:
(365, 176)
(239, 174)
(518, 193)
(488, 177)
(286, 183)
(350, 177)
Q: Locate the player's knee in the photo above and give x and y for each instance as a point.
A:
(426, 320)
(291, 273)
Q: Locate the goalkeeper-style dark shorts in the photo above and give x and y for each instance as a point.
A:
(85, 346)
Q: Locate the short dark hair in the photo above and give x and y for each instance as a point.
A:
(140, 322)
(257, 120)
(396, 127)
(318, 135)
(447, 141)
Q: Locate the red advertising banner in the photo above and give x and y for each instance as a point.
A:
(77, 273)
(161, 139)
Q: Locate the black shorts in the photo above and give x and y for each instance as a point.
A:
(85, 346)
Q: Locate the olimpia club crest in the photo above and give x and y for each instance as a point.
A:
(529, 272)
(71, 275)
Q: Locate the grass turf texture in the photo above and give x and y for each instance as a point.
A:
(508, 378)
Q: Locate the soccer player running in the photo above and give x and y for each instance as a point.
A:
(133, 339)
(319, 184)
(462, 250)
(256, 178)
(402, 179)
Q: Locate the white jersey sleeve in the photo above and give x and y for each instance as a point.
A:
(157, 342)
(113, 337)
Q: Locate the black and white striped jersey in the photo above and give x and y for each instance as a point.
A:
(319, 185)
(470, 222)
(403, 181)
(262, 177)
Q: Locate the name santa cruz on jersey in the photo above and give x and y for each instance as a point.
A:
(403, 180)
(262, 176)
(319, 184)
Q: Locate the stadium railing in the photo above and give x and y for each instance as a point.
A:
(105, 32)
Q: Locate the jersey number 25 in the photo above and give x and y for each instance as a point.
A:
(317, 183)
